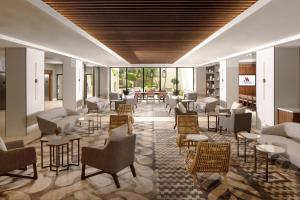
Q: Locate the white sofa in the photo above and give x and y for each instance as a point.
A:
(206, 104)
(286, 135)
(96, 104)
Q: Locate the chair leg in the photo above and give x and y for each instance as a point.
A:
(175, 125)
(116, 180)
(83, 172)
(132, 170)
(35, 175)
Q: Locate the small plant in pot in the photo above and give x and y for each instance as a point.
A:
(175, 82)
(125, 92)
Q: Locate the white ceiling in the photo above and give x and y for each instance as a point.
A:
(33, 23)
(266, 23)
(23, 22)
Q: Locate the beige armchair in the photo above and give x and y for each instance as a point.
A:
(207, 104)
(112, 158)
(236, 122)
(17, 157)
(209, 158)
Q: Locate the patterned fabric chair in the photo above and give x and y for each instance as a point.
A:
(126, 109)
(17, 157)
(118, 120)
(186, 124)
(209, 157)
(112, 158)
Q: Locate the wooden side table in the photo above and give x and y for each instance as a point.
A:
(215, 115)
(91, 123)
(266, 149)
(56, 147)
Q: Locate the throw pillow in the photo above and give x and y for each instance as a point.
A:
(2, 145)
(118, 133)
(238, 110)
(181, 108)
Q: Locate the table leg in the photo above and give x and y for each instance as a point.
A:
(207, 122)
(216, 129)
(68, 163)
(50, 149)
(78, 151)
(255, 159)
(245, 150)
(93, 122)
(238, 146)
(42, 155)
(57, 159)
(72, 151)
(267, 167)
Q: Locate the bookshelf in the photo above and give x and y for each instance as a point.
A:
(213, 81)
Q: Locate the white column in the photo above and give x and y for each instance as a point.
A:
(265, 87)
(229, 82)
(104, 82)
(73, 83)
(24, 89)
(200, 81)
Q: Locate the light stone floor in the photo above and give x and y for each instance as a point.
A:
(160, 170)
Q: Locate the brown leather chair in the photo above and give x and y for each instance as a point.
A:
(111, 158)
(17, 157)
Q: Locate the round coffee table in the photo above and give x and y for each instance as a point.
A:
(193, 139)
(267, 149)
(247, 137)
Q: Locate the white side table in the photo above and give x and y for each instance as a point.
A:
(193, 139)
(246, 137)
(267, 149)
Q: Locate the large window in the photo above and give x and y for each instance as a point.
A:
(152, 78)
(118, 79)
(135, 79)
(186, 80)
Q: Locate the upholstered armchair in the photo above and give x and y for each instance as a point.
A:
(236, 122)
(173, 101)
(17, 157)
(186, 124)
(111, 158)
(207, 104)
(178, 112)
(209, 157)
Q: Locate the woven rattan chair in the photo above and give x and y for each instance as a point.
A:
(126, 109)
(186, 124)
(209, 157)
(118, 120)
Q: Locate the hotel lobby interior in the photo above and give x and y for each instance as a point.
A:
(149, 99)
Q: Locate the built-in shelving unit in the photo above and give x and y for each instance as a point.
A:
(213, 81)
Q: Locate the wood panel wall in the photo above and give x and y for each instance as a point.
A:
(247, 69)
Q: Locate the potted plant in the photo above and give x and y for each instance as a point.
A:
(125, 92)
(175, 82)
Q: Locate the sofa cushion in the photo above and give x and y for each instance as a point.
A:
(2, 145)
(292, 130)
(181, 107)
(235, 105)
(238, 110)
(66, 123)
(292, 147)
(118, 133)
(53, 113)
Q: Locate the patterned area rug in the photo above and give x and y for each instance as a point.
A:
(160, 170)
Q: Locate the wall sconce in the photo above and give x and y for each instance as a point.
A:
(163, 73)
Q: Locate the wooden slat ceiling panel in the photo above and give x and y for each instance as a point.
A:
(150, 31)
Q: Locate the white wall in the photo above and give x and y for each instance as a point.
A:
(34, 80)
(80, 79)
(200, 81)
(56, 69)
(265, 90)
(287, 78)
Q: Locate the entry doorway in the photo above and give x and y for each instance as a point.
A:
(48, 85)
